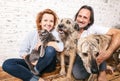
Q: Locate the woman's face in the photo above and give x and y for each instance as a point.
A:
(83, 18)
(47, 22)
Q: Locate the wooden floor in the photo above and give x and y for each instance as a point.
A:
(6, 77)
(49, 76)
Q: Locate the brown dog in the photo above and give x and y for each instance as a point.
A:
(44, 37)
(88, 49)
(68, 31)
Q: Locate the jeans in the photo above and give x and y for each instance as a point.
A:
(18, 68)
(79, 71)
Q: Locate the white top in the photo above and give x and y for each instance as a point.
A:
(94, 29)
(31, 40)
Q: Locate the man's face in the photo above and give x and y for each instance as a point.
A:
(83, 18)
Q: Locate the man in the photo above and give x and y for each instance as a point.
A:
(85, 18)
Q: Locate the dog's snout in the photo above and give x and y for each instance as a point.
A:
(94, 67)
(60, 25)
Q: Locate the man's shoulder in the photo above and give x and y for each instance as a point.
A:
(99, 29)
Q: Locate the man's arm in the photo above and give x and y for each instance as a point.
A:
(115, 43)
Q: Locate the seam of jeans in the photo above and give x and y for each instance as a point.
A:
(36, 69)
(34, 78)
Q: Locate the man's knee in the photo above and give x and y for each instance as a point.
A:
(79, 76)
(50, 51)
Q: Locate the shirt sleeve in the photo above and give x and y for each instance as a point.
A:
(60, 43)
(25, 45)
(99, 29)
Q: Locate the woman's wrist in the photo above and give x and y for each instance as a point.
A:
(53, 44)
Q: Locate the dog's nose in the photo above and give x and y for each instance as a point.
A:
(94, 67)
(60, 25)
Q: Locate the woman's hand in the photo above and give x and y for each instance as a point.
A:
(24, 56)
(33, 63)
(53, 44)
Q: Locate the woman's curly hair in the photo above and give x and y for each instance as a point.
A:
(40, 15)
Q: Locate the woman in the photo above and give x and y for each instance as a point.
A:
(46, 19)
(85, 18)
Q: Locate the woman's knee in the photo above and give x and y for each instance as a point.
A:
(50, 51)
(6, 64)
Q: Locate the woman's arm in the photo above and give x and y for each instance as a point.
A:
(58, 46)
(26, 44)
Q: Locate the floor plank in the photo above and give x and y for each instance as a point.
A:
(51, 76)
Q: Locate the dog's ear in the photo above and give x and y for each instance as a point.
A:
(76, 27)
(97, 40)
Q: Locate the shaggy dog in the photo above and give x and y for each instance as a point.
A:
(68, 31)
(88, 49)
(44, 37)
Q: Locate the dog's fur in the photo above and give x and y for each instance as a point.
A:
(88, 49)
(114, 61)
(68, 31)
(44, 37)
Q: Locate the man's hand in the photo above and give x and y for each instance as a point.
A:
(103, 55)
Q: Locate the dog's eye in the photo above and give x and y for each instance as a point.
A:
(85, 54)
(68, 22)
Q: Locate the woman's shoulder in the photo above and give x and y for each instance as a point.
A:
(32, 33)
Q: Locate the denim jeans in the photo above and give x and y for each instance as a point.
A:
(79, 71)
(18, 68)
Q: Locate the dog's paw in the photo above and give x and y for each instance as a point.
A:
(62, 72)
(68, 79)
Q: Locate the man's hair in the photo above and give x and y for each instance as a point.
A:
(91, 15)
